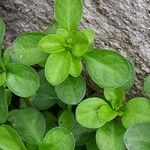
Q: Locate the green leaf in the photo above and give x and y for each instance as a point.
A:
(137, 110)
(2, 78)
(80, 44)
(29, 123)
(22, 80)
(66, 119)
(87, 112)
(51, 29)
(107, 69)
(62, 32)
(68, 13)
(89, 35)
(106, 113)
(3, 106)
(147, 85)
(2, 32)
(72, 90)
(57, 67)
(110, 137)
(115, 97)
(45, 96)
(25, 49)
(52, 43)
(59, 138)
(76, 66)
(10, 140)
(137, 137)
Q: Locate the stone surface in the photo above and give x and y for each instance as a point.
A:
(123, 25)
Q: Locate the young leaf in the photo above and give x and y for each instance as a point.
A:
(108, 69)
(25, 49)
(2, 78)
(66, 120)
(106, 113)
(110, 137)
(137, 110)
(57, 67)
(62, 32)
(147, 85)
(87, 112)
(68, 13)
(59, 138)
(80, 44)
(52, 43)
(22, 80)
(72, 90)
(51, 29)
(76, 66)
(29, 123)
(137, 137)
(10, 140)
(115, 97)
(45, 96)
(2, 32)
(89, 35)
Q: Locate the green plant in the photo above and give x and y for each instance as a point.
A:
(44, 118)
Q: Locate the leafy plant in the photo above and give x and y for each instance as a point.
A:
(43, 108)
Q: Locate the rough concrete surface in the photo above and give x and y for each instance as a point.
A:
(123, 25)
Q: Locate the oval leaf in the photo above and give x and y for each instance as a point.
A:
(10, 140)
(87, 112)
(72, 90)
(66, 119)
(25, 49)
(52, 43)
(137, 110)
(22, 80)
(107, 68)
(110, 137)
(59, 138)
(29, 123)
(137, 137)
(69, 20)
(57, 67)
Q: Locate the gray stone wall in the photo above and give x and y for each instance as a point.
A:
(123, 25)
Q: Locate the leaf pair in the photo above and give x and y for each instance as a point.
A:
(94, 113)
(65, 52)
